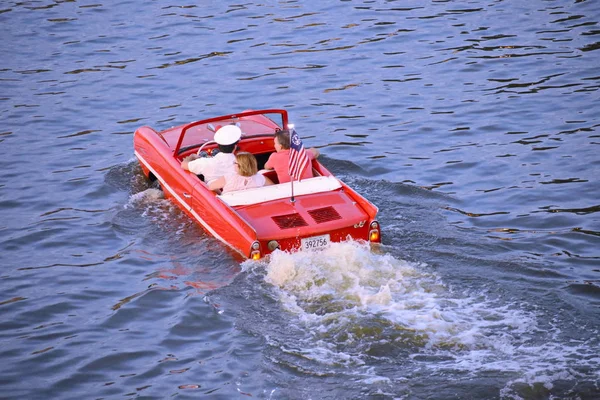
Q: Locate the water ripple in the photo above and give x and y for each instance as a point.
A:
(472, 127)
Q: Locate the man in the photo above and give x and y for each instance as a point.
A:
(279, 161)
(221, 164)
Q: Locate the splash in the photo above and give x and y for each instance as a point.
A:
(348, 284)
(358, 306)
(148, 196)
(153, 204)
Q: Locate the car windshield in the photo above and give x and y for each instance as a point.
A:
(199, 132)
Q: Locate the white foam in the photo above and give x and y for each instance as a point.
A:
(145, 197)
(347, 285)
(154, 207)
(403, 293)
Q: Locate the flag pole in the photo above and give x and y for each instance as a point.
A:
(298, 159)
(292, 200)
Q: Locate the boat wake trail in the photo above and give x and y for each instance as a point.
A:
(386, 318)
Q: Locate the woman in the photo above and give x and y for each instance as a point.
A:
(246, 175)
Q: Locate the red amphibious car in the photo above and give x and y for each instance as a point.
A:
(255, 222)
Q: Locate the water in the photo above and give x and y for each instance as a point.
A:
(473, 126)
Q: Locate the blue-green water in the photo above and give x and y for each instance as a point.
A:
(473, 126)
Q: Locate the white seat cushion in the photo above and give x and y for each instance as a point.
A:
(246, 197)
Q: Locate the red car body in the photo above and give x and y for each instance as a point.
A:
(255, 222)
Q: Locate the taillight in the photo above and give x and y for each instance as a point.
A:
(374, 232)
(255, 253)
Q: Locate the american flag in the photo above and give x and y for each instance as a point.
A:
(298, 157)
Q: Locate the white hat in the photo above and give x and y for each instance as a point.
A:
(229, 134)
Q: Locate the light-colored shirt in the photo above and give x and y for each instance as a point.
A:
(235, 182)
(213, 167)
(280, 161)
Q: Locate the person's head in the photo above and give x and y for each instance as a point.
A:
(246, 163)
(227, 138)
(282, 140)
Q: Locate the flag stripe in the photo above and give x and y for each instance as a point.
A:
(299, 160)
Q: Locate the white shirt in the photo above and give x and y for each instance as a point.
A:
(237, 182)
(213, 167)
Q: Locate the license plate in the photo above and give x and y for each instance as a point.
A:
(315, 242)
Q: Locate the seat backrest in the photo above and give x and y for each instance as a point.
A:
(245, 197)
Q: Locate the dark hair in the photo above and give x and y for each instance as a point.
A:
(227, 148)
(283, 137)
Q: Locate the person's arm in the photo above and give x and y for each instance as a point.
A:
(314, 152)
(185, 162)
(268, 181)
(217, 184)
